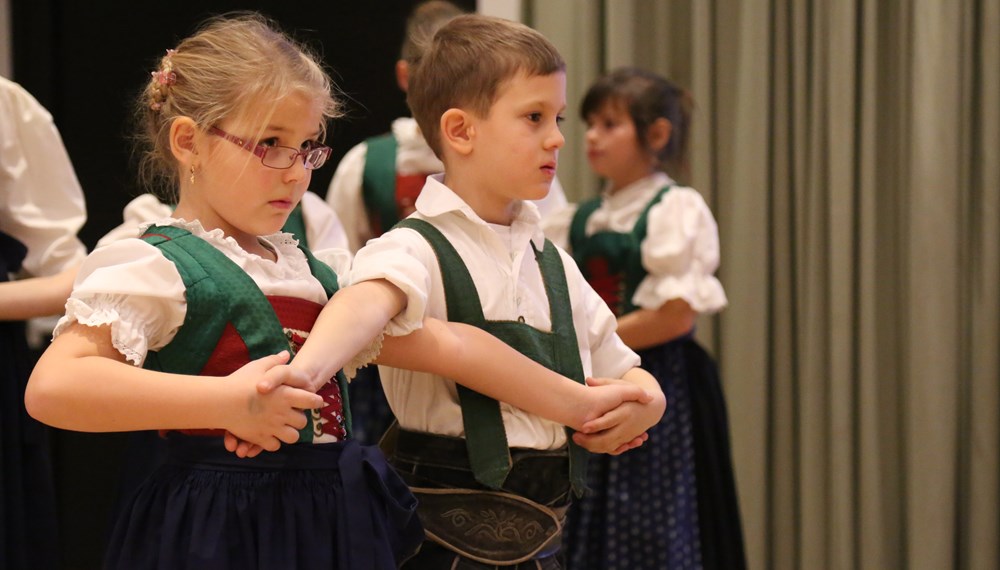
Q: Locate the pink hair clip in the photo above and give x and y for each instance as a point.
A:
(165, 78)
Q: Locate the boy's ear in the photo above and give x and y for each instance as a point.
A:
(457, 130)
(658, 134)
(183, 140)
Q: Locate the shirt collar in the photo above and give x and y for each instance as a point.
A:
(436, 199)
(638, 190)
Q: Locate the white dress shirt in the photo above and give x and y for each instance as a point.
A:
(502, 264)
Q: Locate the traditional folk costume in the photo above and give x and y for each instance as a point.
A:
(493, 481)
(672, 502)
(312, 222)
(191, 301)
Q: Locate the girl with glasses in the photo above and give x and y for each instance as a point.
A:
(175, 330)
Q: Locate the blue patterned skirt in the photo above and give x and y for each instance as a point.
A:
(670, 504)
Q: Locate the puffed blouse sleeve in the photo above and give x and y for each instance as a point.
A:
(680, 254)
(132, 287)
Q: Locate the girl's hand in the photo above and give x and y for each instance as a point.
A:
(281, 375)
(266, 420)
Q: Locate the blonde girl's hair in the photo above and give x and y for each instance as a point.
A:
(232, 64)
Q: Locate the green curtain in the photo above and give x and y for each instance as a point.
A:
(850, 150)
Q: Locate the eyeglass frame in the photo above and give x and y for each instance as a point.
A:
(261, 150)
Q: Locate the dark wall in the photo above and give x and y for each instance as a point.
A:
(85, 61)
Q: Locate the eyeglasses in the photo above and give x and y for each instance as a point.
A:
(279, 157)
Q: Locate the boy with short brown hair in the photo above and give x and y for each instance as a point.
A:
(493, 480)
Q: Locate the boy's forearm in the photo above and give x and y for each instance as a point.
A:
(352, 318)
(647, 382)
(478, 360)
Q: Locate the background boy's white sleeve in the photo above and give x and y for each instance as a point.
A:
(344, 195)
(324, 229)
(141, 209)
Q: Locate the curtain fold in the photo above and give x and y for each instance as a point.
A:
(851, 153)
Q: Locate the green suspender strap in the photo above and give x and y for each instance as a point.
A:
(218, 292)
(379, 180)
(486, 439)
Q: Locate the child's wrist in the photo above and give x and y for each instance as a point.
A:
(313, 374)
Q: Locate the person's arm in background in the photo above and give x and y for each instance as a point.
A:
(36, 297)
(43, 206)
(680, 254)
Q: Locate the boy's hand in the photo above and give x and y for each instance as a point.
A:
(604, 395)
(266, 420)
(622, 428)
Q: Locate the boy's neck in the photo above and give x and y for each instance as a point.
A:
(492, 208)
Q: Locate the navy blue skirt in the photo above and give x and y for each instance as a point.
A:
(336, 505)
(670, 504)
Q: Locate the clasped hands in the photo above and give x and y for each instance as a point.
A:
(615, 414)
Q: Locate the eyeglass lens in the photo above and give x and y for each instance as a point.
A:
(284, 157)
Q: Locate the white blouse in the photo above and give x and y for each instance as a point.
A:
(681, 248)
(131, 286)
(503, 267)
(41, 202)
